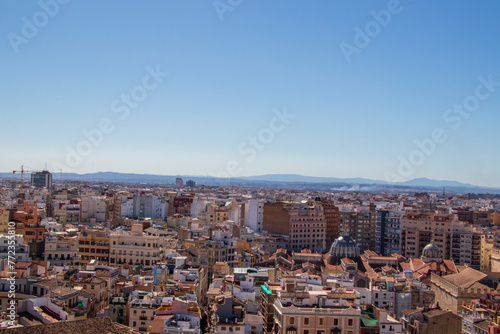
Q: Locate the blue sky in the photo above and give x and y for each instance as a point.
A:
(228, 77)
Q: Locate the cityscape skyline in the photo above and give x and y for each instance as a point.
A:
(331, 89)
(246, 259)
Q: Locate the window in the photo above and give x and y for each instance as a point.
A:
(292, 320)
(320, 322)
(350, 322)
(306, 322)
(306, 331)
(335, 322)
(291, 330)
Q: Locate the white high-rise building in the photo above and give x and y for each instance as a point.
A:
(254, 214)
(127, 208)
(144, 207)
(92, 207)
(198, 205)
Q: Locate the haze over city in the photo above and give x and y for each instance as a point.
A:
(389, 91)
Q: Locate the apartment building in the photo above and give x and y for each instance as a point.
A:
(27, 223)
(177, 317)
(7, 241)
(199, 205)
(304, 224)
(266, 306)
(475, 217)
(388, 232)
(217, 214)
(95, 286)
(468, 246)
(67, 211)
(228, 243)
(4, 219)
(431, 320)
(361, 225)
(217, 253)
(180, 205)
(93, 209)
(93, 245)
(420, 228)
(313, 312)
(144, 206)
(141, 313)
(61, 251)
(114, 205)
(254, 214)
(332, 220)
(134, 249)
(236, 212)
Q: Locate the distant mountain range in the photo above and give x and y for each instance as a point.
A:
(280, 180)
(419, 182)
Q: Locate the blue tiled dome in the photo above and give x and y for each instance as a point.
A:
(344, 246)
(431, 252)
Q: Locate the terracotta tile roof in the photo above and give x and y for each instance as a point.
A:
(64, 291)
(47, 283)
(450, 265)
(405, 266)
(332, 268)
(483, 325)
(466, 278)
(87, 326)
(347, 260)
(23, 264)
(122, 329)
(423, 269)
(388, 268)
(435, 313)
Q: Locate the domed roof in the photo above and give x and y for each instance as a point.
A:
(431, 246)
(344, 241)
(430, 253)
(344, 246)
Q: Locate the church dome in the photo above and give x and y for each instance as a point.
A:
(430, 253)
(344, 246)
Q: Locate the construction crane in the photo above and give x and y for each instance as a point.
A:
(22, 171)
